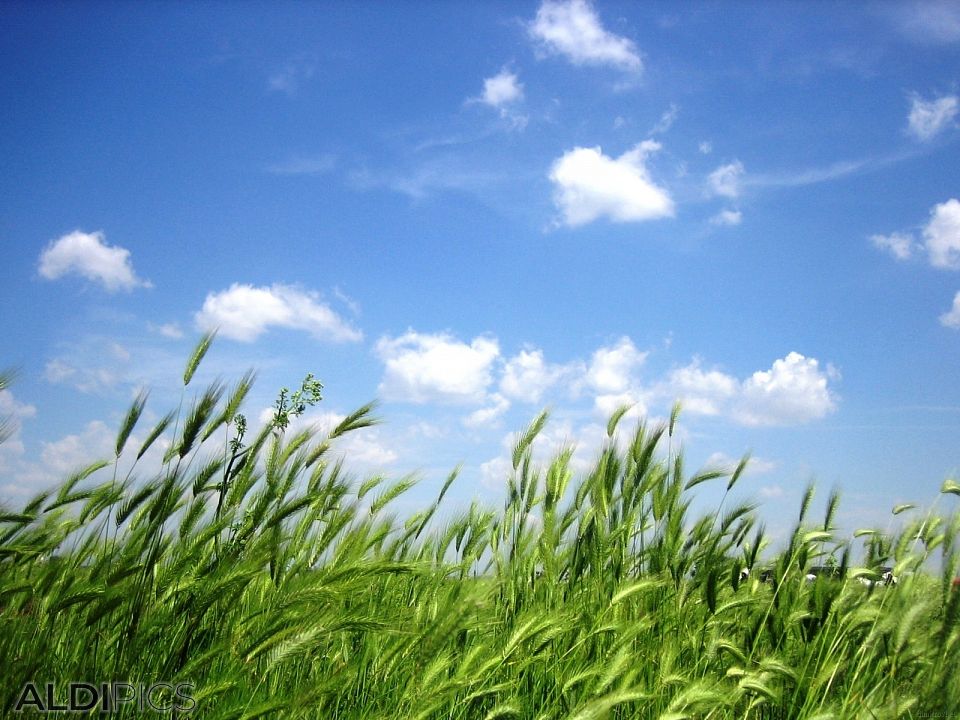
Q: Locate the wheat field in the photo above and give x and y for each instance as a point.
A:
(260, 572)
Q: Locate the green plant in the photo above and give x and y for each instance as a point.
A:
(260, 572)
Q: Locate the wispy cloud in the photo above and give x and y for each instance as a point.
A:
(929, 118)
(319, 165)
(927, 21)
(169, 330)
(666, 120)
(292, 75)
(951, 318)
(425, 179)
(834, 171)
(899, 245)
(726, 179)
(728, 218)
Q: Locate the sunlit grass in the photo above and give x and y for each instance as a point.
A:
(258, 570)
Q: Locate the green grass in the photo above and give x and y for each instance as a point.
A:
(258, 570)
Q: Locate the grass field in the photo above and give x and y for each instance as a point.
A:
(256, 570)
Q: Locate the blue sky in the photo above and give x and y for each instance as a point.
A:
(474, 211)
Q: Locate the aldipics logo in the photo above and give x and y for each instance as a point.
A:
(159, 697)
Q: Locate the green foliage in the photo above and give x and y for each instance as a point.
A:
(290, 405)
(265, 576)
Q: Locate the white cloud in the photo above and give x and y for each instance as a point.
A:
(437, 175)
(168, 330)
(586, 441)
(488, 415)
(363, 450)
(494, 473)
(725, 180)
(590, 185)
(727, 217)
(942, 235)
(573, 29)
(770, 492)
(85, 379)
(755, 466)
(12, 413)
(503, 92)
(244, 312)
(612, 368)
(526, 376)
(899, 245)
(58, 371)
(702, 392)
(951, 318)
(666, 120)
(929, 117)
(793, 391)
(11, 406)
(928, 21)
(502, 89)
(607, 404)
(95, 442)
(88, 255)
(421, 368)
(705, 147)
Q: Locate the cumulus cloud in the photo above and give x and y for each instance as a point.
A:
(703, 392)
(928, 118)
(502, 89)
(244, 312)
(951, 318)
(88, 255)
(612, 368)
(794, 390)
(365, 449)
(572, 29)
(489, 414)
(585, 440)
(725, 180)
(589, 185)
(942, 235)
(727, 217)
(900, 245)
(527, 376)
(607, 404)
(422, 368)
(95, 442)
(11, 407)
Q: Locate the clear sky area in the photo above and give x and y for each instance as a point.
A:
(474, 211)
